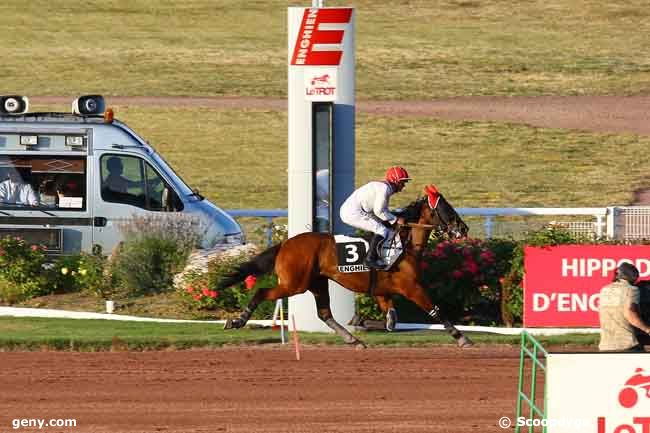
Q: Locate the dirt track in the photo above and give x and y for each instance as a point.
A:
(264, 389)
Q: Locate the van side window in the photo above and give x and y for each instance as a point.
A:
(43, 182)
(131, 180)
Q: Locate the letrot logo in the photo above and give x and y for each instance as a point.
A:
(320, 84)
(323, 79)
(638, 385)
(318, 46)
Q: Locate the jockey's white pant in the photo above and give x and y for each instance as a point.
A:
(361, 220)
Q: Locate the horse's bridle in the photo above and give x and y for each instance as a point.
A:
(442, 227)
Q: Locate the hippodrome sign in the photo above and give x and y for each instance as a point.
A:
(562, 284)
(598, 392)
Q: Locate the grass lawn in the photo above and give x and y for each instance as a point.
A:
(98, 335)
(238, 158)
(405, 49)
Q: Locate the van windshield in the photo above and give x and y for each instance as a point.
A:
(184, 189)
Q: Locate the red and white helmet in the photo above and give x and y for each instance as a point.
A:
(397, 174)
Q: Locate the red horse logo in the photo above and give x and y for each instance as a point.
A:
(323, 79)
(629, 395)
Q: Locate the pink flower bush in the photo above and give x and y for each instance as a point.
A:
(460, 274)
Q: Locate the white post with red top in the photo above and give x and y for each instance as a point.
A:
(321, 117)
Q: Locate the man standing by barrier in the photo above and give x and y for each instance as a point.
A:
(619, 312)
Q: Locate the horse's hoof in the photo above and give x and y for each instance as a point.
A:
(360, 345)
(233, 324)
(391, 320)
(465, 342)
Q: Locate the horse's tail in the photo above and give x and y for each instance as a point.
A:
(261, 264)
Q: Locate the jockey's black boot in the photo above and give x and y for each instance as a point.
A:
(372, 258)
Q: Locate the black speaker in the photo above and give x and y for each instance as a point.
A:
(89, 105)
(14, 104)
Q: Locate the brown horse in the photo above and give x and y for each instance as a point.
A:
(306, 262)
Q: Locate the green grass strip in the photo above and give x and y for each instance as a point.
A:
(19, 334)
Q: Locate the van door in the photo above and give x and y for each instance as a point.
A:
(128, 186)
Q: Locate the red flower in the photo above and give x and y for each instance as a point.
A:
(190, 289)
(214, 294)
(471, 266)
(502, 280)
(457, 274)
(198, 296)
(250, 281)
(487, 256)
(205, 291)
(34, 247)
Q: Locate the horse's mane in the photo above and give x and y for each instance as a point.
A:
(411, 213)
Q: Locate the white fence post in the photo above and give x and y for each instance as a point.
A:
(611, 222)
(488, 227)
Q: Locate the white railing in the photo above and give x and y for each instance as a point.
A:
(613, 222)
(598, 213)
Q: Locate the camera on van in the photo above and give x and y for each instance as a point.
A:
(14, 104)
(89, 105)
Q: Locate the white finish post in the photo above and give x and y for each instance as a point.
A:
(320, 70)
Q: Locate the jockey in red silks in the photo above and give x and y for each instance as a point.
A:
(367, 209)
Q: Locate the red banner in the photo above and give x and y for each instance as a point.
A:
(562, 284)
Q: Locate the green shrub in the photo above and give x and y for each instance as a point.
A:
(21, 270)
(367, 307)
(62, 275)
(147, 264)
(513, 302)
(155, 249)
(94, 276)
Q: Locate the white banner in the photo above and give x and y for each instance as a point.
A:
(598, 392)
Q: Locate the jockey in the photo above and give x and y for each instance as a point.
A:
(367, 209)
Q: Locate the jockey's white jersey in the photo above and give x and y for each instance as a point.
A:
(370, 199)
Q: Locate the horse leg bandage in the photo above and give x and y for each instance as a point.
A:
(435, 312)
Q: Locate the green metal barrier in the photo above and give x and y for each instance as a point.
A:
(531, 348)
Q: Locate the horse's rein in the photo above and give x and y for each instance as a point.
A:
(420, 226)
(410, 233)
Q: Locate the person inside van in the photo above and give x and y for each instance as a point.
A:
(14, 190)
(115, 182)
(48, 193)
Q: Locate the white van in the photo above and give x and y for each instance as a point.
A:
(68, 180)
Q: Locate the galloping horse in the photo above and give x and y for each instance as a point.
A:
(306, 262)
